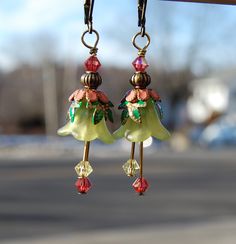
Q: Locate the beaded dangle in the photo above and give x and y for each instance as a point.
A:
(141, 110)
(89, 109)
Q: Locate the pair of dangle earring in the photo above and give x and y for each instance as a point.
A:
(90, 109)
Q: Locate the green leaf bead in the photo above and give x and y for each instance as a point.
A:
(124, 116)
(122, 105)
(72, 114)
(141, 102)
(79, 104)
(87, 104)
(95, 103)
(97, 116)
(136, 114)
(111, 105)
(109, 115)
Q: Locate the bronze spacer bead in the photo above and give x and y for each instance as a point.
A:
(91, 80)
(140, 80)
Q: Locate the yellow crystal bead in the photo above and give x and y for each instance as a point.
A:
(83, 169)
(131, 167)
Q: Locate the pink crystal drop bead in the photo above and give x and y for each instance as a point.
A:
(83, 185)
(140, 64)
(92, 64)
(140, 185)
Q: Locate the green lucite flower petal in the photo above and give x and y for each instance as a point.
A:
(84, 130)
(150, 126)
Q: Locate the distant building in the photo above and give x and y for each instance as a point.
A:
(212, 96)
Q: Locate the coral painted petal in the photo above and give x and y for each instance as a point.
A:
(72, 96)
(91, 95)
(143, 94)
(154, 95)
(79, 95)
(124, 97)
(103, 97)
(132, 95)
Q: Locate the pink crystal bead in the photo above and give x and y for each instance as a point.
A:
(140, 185)
(92, 64)
(140, 64)
(83, 185)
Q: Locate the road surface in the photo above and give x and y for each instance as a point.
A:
(38, 197)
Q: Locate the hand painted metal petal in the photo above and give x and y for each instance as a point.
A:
(79, 95)
(143, 94)
(91, 95)
(102, 97)
(154, 95)
(71, 97)
(132, 95)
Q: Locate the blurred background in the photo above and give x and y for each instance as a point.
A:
(192, 176)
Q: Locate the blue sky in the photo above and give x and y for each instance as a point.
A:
(171, 25)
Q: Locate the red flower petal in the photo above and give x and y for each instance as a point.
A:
(131, 96)
(91, 95)
(102, 96)
(154, 95)
(143, 94)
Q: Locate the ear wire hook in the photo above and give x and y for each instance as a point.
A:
(88, 20)
(142, 5)
(88, 14)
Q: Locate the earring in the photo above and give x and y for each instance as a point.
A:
(89, 108)
(141, 109)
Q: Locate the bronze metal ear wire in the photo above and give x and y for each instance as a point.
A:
(142, 5)
(88, 14)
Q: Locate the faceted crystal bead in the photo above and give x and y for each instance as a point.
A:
(83, 169)
(140, 185)
(92, 64)
(83, 185)
(140, 64)
(130, 167)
